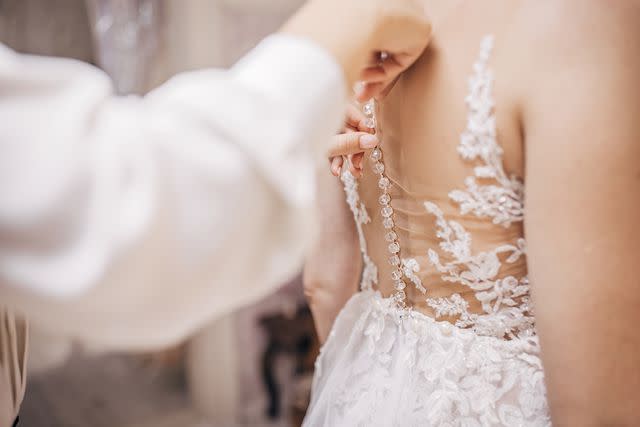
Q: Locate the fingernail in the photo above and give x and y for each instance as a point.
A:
(367, 125)
(368, 141)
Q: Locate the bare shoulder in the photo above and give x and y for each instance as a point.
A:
(561, 35)
(576, 55)
(557, 25)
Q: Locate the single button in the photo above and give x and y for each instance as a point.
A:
(376, 154)
(384, 200)
(446, 329)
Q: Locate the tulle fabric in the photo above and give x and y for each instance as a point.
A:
(384, 367)
(423, 141)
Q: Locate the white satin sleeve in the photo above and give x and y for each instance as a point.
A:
(130, 221)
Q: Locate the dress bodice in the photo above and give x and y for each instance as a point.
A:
(442, 333)
(458, 253)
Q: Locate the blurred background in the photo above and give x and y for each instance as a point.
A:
(249, 368)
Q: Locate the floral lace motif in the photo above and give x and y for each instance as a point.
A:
(505, 301)
(415, 371)
(503, 201)
(360, 215)
(410, 267)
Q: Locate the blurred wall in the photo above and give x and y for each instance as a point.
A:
(203, 33)
(47, 27)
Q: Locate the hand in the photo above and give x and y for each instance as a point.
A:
(373, 40)
(350, 144)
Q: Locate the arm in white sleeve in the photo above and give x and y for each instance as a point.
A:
(128, 222)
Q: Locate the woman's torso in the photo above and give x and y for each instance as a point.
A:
(453, 154)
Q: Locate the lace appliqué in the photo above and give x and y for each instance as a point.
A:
(410, 267)
(360, 215)
(505, 301)
(457, 378)
(503, 201)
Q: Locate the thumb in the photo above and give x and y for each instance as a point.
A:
(351, 143)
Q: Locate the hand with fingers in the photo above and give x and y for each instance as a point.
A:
(381, 74)
(373, 40)
(349, 145)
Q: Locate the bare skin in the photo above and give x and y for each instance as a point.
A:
(360, 31)
(583, 184)
(567, 98)
(329, 281)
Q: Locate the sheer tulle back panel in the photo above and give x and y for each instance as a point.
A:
(457, 211)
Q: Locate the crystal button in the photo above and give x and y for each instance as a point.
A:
(384, 183)
(394, 248)
(446, 329)
(394, 260)
(387, 211)
(400, 295)
(384, 199)
(370, 123)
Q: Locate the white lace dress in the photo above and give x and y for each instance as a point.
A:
(475, 360)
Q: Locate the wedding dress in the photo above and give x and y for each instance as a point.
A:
(442, 332)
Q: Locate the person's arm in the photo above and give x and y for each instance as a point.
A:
(143, 217)
(333, 266)
(582, 124)
(132, 221)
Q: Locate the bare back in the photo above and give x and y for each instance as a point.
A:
(453, 155)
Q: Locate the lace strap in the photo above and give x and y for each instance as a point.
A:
(501, 201)
(370, 271)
